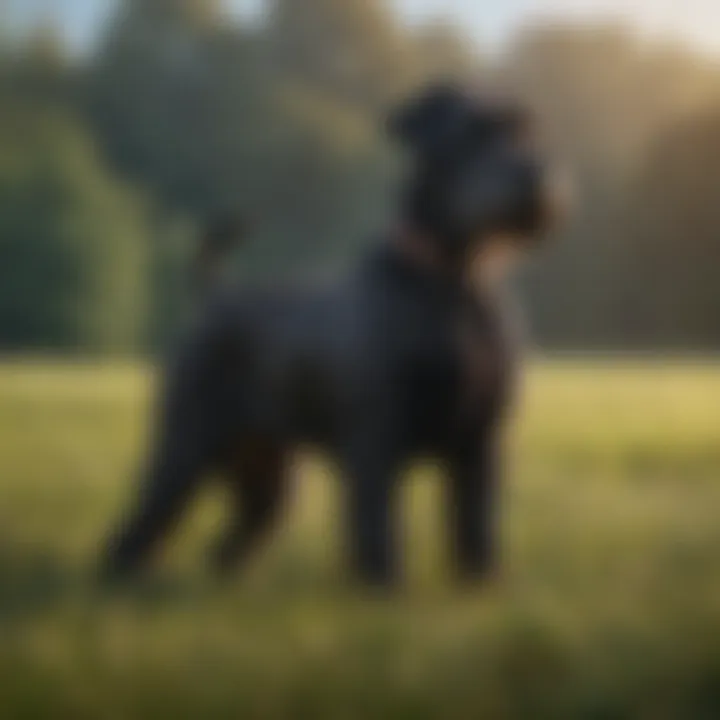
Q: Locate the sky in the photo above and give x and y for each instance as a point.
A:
(491, 21)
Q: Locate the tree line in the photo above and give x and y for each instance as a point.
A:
(110, 163)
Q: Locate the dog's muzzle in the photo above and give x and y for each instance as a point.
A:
(511, 196)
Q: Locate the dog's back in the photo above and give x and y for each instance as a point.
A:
(294, 359)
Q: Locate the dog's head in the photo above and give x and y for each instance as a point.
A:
(477, 173)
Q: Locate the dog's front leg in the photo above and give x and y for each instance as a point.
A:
(371, 462)
(474, 483)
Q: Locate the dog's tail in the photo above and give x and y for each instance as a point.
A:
(219, 238)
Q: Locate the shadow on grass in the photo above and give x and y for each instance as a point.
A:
(32, 580)
(35, 580)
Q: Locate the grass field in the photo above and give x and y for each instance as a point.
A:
(609, 606)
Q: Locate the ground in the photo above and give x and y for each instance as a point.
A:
(608, 606)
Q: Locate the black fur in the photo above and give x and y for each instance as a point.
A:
(398, 359)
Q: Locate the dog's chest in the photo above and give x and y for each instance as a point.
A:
(455, 367)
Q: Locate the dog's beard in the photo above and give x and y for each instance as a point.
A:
(494, 262)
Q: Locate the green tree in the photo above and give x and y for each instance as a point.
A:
(323, 185)
(673, 239)
(350, 50)
(200, 113)
(158, 99)
(73, 242)
(603, 99)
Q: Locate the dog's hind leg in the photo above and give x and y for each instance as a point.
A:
(167, 490)
(189, 436)
(258, 481)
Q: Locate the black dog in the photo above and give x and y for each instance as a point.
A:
(401, 358)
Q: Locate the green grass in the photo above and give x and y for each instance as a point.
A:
(609, 606)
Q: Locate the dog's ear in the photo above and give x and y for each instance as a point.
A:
(428, 122)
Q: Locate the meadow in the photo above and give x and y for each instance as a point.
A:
(608, 606)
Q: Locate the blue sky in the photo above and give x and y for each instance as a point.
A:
(696, 21)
